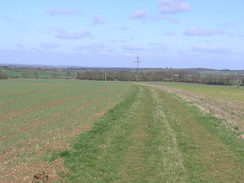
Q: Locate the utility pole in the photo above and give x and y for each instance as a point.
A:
(137, 70)
(105, 76)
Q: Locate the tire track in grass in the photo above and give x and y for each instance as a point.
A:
(229, 109)
(206, 156)
(169, 159)
(127, 145)
(153, 154)
(134, 167)
(152, 137)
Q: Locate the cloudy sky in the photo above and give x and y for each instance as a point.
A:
(110, 33)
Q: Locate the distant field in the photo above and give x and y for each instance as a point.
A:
(221, 72)
(89, 131)
(40, 74)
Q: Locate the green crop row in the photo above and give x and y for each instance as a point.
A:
(38, 113)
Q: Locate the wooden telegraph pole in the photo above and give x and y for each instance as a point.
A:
(105, 76)
(137, 70)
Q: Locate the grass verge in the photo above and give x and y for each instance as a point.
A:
(210, 151)
(97, 155)
(154, 136)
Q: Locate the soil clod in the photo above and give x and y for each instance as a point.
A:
(40, 177)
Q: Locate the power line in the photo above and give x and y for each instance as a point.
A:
(137, 70)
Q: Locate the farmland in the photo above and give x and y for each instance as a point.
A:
(41, 116)
(221, 101)
(88, 131)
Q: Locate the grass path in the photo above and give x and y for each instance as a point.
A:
(211, 153)
(153, 136)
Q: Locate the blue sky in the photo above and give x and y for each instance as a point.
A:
(108, 33)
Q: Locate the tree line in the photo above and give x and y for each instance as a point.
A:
(162, 76)
(149, 75)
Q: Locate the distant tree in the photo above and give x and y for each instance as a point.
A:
(3, 76)
(196, 78)
(208, 79)
(54, 75)
(148, 75)
(123, 76)
(78, 75)
(236, 82)
(182, 76)
(24, 75)
(36, 74)
(68, 74)
(242, 82)
(86, 75)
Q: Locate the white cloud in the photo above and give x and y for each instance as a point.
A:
(14, 20)
(157, 46)
(123, 28)
(139, 14)
(173, 6)
(49, 45)
(134, 48)
(227, 25)
(143, 16)
(195, 31)
(19, 45)
(57, 11)
(212, 50)
(171, 20)
(169, 33)
(62, 34)
(99, 48)
(98, 20)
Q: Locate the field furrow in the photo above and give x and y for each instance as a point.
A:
(49, 121)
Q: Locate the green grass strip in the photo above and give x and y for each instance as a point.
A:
(97, 155)
(211, 152)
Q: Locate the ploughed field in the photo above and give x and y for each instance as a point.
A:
(88, 131)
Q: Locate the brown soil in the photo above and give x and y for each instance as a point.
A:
(12, 168)
(29, 172)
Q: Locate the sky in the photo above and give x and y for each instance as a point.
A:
(110, 33)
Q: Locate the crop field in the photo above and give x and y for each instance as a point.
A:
(39, 117)
(88, 131)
